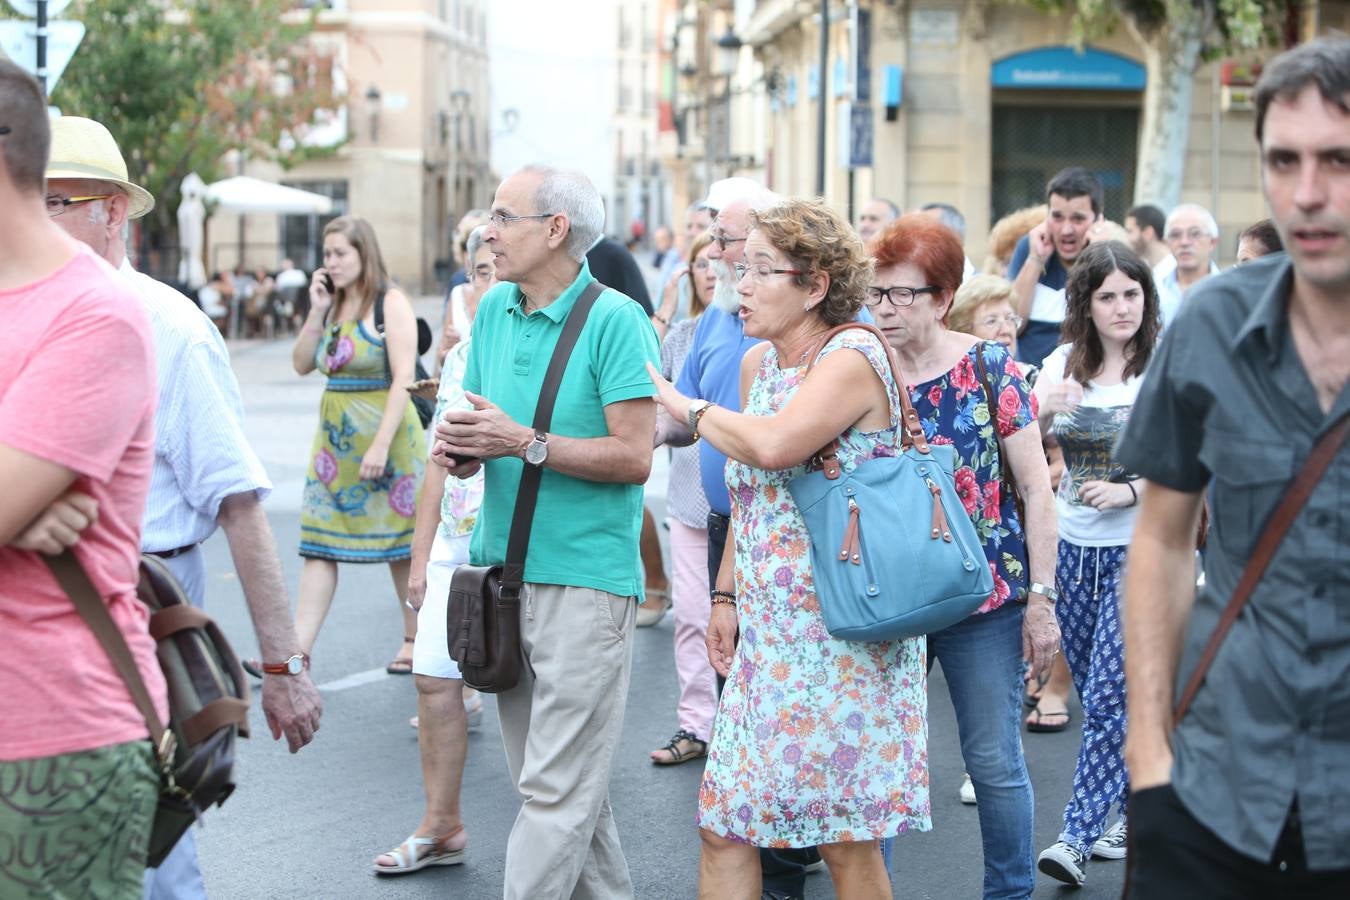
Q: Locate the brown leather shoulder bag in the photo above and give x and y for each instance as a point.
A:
(483, 615)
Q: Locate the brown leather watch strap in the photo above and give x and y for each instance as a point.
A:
(1319, 460)
(283, 668)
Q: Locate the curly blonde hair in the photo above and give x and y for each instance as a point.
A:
(819, 241)
(974, 293)
(1005, 234)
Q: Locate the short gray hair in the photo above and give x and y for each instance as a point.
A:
(1205, 216)
(570, 193)
(472, 245)
(950, 216)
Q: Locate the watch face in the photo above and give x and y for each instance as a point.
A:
(536, 452)
(295, 665)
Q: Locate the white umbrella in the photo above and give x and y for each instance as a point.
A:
(242, 194)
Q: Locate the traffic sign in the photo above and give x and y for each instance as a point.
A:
(18, 41)
(29, 7)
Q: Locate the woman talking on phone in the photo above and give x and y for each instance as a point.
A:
(360, 498)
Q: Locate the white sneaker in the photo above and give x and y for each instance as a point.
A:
(1112, 844)
(1063, 863)
(967, 791)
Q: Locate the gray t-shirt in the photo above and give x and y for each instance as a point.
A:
(1227, 405)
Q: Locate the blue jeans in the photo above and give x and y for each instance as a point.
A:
(982, 660)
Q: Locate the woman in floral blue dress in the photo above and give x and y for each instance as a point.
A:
(818, 741)
(970, 394)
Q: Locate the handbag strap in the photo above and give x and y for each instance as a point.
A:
(1319, 460)
(1005, 470)
(75, 582)
(910, 431)
(522, 520)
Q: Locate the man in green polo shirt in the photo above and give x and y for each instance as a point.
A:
(561, 724)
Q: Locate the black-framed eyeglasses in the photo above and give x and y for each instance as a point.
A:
(721, 240)
(56, 204)
(501, 220)
(333, 333)
(760, 271)
(5, 129)
(898, 296)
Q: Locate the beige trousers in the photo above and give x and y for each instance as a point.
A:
(560, 728)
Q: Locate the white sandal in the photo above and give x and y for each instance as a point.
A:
(420, 851)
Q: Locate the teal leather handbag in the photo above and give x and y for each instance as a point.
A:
(893, 552)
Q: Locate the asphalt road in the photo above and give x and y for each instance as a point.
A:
(310, 825)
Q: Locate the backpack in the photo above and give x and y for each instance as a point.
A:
(208, 695)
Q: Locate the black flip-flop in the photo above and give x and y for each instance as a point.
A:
(1035, 725)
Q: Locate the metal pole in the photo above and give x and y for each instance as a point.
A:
(42, 45)
(823, 92)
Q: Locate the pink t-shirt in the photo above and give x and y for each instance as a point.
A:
(77, 388)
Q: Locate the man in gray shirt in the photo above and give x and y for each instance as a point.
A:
(1250, 795)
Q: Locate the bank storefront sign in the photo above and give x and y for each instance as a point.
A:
(1063, 68)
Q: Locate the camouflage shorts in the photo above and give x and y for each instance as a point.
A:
(77, 825)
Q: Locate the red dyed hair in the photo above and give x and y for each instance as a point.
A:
(926, 243)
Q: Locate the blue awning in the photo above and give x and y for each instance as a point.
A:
(1063, 68)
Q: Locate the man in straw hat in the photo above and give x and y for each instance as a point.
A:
(78, 784)
(205, 473)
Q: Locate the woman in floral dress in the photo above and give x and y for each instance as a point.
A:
(818, 741)
(366, 463)
(970, 394)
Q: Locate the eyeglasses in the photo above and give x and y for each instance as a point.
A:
(761, 271)
(721, 240)
(1193, 234)
(482, 273)
(333, 338)
(57, 204)
(899, 296)
(991, 322)
(5, 129)
(501, 220)
(703, 265)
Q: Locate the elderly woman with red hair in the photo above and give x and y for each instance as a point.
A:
(970, 394)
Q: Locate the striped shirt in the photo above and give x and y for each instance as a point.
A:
(201, 454)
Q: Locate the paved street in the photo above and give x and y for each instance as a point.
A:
(309, 825)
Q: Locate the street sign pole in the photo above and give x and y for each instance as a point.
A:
(42, 45)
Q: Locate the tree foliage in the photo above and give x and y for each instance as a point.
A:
(180, 88)
(1229, 25)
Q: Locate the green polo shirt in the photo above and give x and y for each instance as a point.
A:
(585, 533)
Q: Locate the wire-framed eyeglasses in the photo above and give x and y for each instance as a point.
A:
(501, 220)
(898, 295)
(761, 271)
(56, 204)
(721, 240)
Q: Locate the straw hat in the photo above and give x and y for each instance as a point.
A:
(83, 148)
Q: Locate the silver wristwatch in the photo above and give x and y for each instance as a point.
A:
(537, 450)
(1044, 590)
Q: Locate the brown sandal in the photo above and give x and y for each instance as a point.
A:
(677, 755)
(401, 665)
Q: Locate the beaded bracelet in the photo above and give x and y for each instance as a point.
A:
(723, 597)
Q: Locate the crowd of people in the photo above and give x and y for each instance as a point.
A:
(1098, 387)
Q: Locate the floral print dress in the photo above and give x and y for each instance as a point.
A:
(344, 517)
(817, 740)
(955, 408)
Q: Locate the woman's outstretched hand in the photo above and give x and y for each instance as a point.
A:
(676, 404)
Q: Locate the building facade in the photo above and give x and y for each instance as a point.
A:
(412, 140)
(968, 102)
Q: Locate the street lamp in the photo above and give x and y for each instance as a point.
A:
(728, 49)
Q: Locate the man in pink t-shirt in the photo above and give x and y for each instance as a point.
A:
(78, 785)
